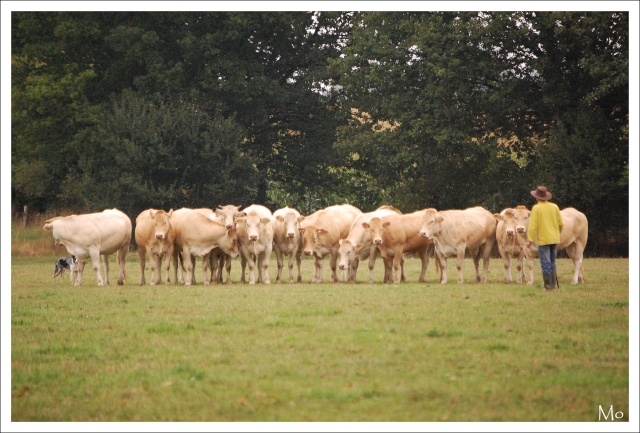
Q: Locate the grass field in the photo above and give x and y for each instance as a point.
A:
(319, 352)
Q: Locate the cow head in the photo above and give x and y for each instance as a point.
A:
(347, 252)
(229, 243)
(291, 225)
(253, 226)
(431, 223)
(228, 214)
(310, 238)
(376, 229)
(521, 216)
(161, 223)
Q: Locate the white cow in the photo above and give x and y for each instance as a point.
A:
(573, 239)
(255, 238)
(457, 231)
(93, 236)
(287, 240)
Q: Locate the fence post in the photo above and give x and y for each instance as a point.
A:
(24, 216)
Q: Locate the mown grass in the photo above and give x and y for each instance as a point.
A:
(319, 352)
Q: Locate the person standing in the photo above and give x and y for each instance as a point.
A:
(545, 225)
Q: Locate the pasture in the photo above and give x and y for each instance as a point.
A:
(319, 352)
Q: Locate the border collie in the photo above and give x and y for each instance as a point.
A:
(66, 263)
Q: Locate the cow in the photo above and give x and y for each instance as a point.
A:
(511, 237)
(94, 235)
(456, 231)
(176, 221)
(573, 239)
(321, 235)
(155, 236)
(358, 246)
(196, 235)
(255, 236)
(394, 235)
(218, 260)
(287, 240)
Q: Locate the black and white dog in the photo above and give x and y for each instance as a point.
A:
(66, 263)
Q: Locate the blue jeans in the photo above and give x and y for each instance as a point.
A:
(548, 254)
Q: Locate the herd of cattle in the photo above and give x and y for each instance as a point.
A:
(343, 232)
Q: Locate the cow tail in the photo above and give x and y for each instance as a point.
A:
(124, 273)
(181, 262)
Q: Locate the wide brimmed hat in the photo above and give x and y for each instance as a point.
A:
(541, 193)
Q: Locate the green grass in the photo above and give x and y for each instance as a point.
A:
(319, 352)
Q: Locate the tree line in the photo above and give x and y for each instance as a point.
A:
(307, 109)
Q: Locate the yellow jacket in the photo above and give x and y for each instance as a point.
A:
(545, 223)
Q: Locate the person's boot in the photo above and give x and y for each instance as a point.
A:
(548, 284)
(554, 279)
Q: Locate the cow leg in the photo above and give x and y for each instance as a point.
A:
(227, 266)
(424, 257)
(187, 262)
(153, 264)
(520, 267)
(486, 255)
(243, 265)
(318, 277)
(290, 264)
(105, 261)
(95, 263)
(373, 255)
(80, 271)
(572, 252)
(280, 266)
(252, 265)
(142, 252)
(265, 257)
(460, 259)
(353, 269)
(206, 266)
(298, 263)
(397, 266)
(121, 256)
(333, 264)
(174, 259)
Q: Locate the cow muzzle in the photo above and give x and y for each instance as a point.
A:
(377, 241)
(291, 235)
(520, 230)
(253, 238)
(159, 235)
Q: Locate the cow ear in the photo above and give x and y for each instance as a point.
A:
(386, 224)
(280, 218)
(497, 216)
(218, 212)
(239, 215)
(265, 220)
(509, 212)
(365, 225)
(301, 218)
(231, 231)
(152, 212)
(321, 231)
(301, 231)
(359, 247)
(170, 212)
(439, 218)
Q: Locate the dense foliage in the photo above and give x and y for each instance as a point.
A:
(169, 109)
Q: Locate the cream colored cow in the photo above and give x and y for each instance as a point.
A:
(95, 236)
(155, 237)
(456, 231)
